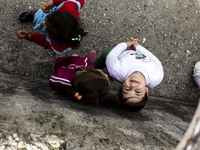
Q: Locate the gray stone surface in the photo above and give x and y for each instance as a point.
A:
(31, 110)
(27, 106)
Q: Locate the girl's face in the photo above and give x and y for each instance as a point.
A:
(134, 88)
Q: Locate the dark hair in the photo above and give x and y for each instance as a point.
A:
(132, 107)
(63, 26)
(92, 85)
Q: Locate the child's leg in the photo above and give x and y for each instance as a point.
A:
(100, 62)
(92, 55)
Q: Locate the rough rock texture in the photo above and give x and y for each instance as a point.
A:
(31, 110)
(27, 106)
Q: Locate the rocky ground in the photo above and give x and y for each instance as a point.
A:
(34, 117)
(31, 115)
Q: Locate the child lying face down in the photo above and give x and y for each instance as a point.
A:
(77, 78)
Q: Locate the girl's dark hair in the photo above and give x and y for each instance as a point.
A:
(92, 85)
(63, 26)
(133, 107)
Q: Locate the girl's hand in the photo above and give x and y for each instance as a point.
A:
(23, 34)
(46, 6)
(132, 43)
(136, 43)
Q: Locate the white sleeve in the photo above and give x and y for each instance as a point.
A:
(114, 54)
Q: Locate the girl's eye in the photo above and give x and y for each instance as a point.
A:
(137, 91)
(126, 90)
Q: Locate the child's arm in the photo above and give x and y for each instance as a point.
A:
(39, 39)
(81, 2)
(46, 6)
(58, 2)
(72, 7)
(113, 56)
(23, 34)
(116, 51)
(132, 43)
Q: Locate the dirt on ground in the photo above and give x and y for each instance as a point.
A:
(34, 117)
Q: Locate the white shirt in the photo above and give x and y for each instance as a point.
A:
(121, 63)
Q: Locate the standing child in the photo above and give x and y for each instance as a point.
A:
(77, 78)
(136, 68)
(59, 24)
